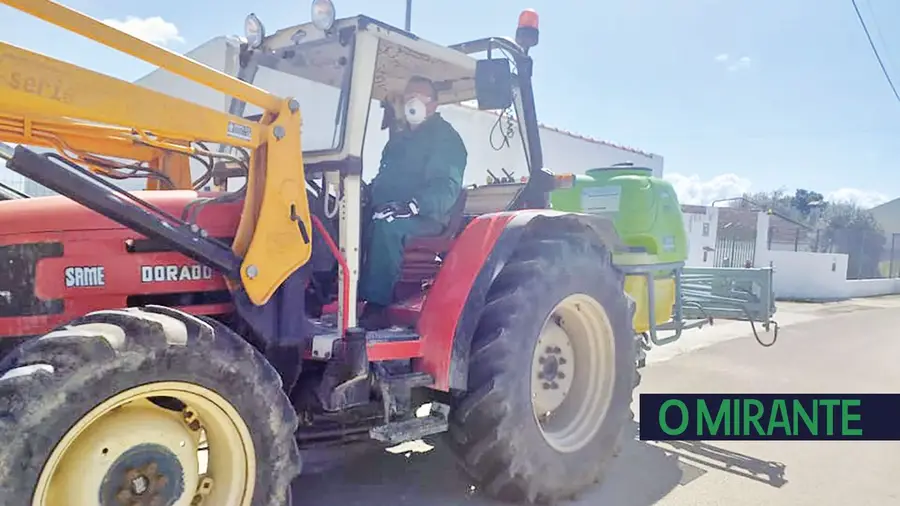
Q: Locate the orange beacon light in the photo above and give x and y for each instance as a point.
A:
(529, 18)
(527, 32)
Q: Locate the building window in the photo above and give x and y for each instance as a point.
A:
(706, 229)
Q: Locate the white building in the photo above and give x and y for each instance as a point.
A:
(701, 223)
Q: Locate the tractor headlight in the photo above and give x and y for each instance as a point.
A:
(254, 31)
(323, 14)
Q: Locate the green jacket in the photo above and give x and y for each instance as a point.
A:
(425, 164)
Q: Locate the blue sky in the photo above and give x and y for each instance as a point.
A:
(736, 95)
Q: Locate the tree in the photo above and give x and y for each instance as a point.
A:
(852, 230)
(799, 207)
(805, 201)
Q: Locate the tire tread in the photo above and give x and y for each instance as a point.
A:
(101, 347)
(483, 434)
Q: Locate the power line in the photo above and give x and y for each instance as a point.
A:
(875, 50)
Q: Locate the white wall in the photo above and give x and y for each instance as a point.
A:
(803, 275)
(568, 152)
(697, 240)
(872, 287)
(218, 53)
(762, 239)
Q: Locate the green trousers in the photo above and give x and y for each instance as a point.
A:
(384, 255)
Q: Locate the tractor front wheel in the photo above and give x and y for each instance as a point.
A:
(551, 373)
(143, 407)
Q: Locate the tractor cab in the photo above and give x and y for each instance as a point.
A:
(348, 76)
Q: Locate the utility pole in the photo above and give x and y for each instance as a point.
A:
(408, 25)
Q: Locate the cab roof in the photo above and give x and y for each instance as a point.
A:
(400, 55)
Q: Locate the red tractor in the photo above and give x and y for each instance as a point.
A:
(182, 346)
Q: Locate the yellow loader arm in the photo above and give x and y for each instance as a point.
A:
(48, 102)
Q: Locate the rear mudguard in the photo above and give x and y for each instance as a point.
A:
(454, 303)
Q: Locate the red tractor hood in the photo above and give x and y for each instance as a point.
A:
(60, 214)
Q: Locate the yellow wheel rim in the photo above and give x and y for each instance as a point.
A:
(130, 451)
(573, 373)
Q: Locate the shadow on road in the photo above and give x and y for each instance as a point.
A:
(643, 473)
(720, 459)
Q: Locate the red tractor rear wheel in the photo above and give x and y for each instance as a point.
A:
(551, 373)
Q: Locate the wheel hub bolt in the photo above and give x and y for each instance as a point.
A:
(142, 487)
(550, 369)
(139, 485)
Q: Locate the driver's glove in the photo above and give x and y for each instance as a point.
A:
(396, 210)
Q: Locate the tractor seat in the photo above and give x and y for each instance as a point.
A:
(421, 255)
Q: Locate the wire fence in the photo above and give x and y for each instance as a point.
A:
(870, 254)
(889, 267)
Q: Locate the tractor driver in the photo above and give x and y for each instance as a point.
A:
(418, 181)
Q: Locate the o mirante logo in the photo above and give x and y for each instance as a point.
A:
(692, 417)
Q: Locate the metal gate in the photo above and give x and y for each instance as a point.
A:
(735, 238)
(734, 252)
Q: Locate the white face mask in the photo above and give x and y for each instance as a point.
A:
(415, 111)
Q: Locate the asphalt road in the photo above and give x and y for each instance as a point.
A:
(845, 347)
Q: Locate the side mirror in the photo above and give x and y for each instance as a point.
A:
(493, 84)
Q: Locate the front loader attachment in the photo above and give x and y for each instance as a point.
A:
(91, 191)
(116, 118)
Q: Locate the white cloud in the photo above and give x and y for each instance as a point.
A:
(153, 29)
(741, 63)
(863, 198)
(693, 190)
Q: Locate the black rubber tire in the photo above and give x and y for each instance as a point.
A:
(493, 430)
(92, 362)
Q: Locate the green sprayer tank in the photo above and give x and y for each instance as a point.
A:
(648, 218)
